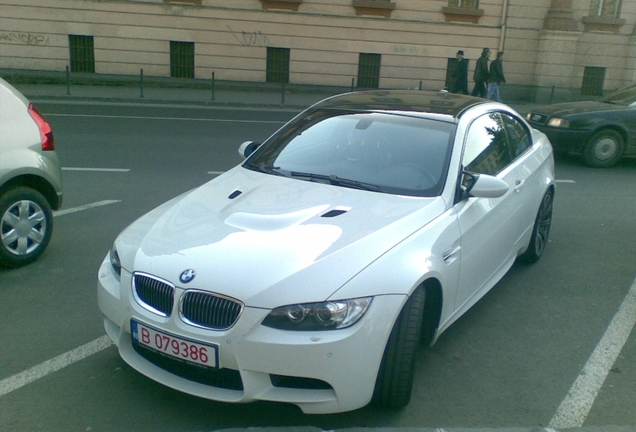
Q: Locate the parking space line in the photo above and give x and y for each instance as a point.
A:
(84, 207)
(43, 369)
(577, 405)
(96, 169)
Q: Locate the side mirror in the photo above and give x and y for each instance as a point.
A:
(247, 148)
(484, 186)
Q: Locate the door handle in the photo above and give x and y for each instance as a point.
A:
(519, 184)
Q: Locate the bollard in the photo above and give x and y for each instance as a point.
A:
(68, 82)
(552, 95)
(141, 83)
(282, 101)
(420, 85)
(353, 82)
(212, 84)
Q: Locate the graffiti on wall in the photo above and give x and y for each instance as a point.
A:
(255, 38)
(23, 38)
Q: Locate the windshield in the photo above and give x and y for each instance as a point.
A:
(625, 97)
(380, 152)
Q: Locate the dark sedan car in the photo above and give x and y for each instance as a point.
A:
(601, 131)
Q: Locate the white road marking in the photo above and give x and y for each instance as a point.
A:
(96, 169)
(165, 118)
(565, 181)
(10, 384)
(84, 207)
(577, 405)
(216, 172)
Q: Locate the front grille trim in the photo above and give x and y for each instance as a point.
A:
(158, 298)
(212, 312)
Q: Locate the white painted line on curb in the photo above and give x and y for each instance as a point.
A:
(84, 207)
(577, 404)
(96, 169)
(43, 369)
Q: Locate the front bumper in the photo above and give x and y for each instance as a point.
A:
(321, 372)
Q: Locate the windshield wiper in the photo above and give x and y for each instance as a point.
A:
(267, 170)
(335, 180)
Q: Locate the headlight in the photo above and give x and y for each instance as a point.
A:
(328, 315)
(559, 122)
(115, 262)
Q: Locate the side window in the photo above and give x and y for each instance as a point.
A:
(486, 150)
(518, 135)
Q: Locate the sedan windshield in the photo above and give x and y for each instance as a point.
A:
(625, 97)
(379, 152)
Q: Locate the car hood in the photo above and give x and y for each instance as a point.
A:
(569, 108)
(277, 237)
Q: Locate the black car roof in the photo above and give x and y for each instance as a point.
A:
(411, 101)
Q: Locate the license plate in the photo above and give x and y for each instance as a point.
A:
(173, 346)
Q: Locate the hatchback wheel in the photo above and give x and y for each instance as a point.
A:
(395, 379)
(604, 149)
(26, 224)
(541, 230)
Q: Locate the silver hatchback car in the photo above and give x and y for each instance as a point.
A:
(30, 179)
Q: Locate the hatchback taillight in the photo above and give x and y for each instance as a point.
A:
(46, 133)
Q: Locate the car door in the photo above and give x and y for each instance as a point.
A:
(491, 228)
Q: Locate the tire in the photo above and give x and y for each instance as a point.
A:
(604, 149)
(395, 379)
(26, 224)
(541, 230)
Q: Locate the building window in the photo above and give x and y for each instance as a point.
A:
(593, 81)
(181, 59)
(605, 8)
(82, 53)
(277, 65)
(369, 70)
(281, 4)
(467, 4)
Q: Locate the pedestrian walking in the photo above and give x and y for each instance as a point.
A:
(481, 74)
(495, 77)
(459, 79)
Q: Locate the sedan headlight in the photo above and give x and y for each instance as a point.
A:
(115, 262)
(329, 315)
(559, 122)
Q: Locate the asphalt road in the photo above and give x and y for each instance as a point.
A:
(509, 362)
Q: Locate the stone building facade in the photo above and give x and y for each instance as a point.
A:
(563, 47)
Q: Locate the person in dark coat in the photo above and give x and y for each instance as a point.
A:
(459, 80)
(481, 74)
(495, 77)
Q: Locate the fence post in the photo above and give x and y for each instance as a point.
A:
(141, 83)
(213, 85)
(68, 82)
(283, 97)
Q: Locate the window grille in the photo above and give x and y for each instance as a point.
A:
(468, 4)
(369, 70)
(605, 8)
(277, 65)
(181, 59)
(593, 81)
(82, 53)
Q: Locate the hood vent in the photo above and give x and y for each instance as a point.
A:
(235, 194)
(334, 213)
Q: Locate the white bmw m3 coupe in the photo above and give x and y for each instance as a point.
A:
(310, 273)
